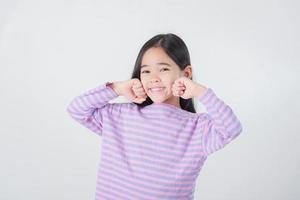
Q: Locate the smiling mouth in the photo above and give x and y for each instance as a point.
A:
(157, 89)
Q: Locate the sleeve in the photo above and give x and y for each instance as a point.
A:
(88, 108)
(219, 125)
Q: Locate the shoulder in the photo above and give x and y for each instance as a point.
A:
(203, 118)
(121, 107)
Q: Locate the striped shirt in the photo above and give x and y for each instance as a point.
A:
(155, 152)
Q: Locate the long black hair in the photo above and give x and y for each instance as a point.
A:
(176, 49)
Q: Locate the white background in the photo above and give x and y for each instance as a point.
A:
(52, 51)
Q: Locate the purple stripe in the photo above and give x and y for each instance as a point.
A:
(134, 156)
(137, 191)
(156, 151)
(133, 142)
(140, 123)
(162, 114)
(147, 173)
(151, 133)
(143, 139)
(130, 181)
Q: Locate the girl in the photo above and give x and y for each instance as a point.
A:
(155, 146)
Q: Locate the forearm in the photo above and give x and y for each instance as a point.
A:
(83, 106)
(224, 119)
(199, 90)
(116, 86)
(220, 125)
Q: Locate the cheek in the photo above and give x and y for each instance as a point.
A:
(144, 86)
(170, 83)
(143, 80)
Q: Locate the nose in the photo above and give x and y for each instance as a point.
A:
(154, 78)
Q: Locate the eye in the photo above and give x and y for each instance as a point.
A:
(147, 71)
(166, 69)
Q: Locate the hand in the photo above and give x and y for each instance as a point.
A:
(187, 88)
(132, 89)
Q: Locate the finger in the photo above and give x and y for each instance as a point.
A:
(132, 95)
(178, 92)
(134, 87)
(139, 89)
(175, 89)
(179, 88)
(175, 86)
(139, 100)
(141, 95)
(142, 98)
(139, 92)
(182, 87)
(180, 84)
(179, 81)
(138, 83)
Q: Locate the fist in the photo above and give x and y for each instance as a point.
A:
(186, 88)
(134, 90)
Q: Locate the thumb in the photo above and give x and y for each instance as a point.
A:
(132, 95)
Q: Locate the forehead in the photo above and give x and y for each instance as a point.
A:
(158, 64)
(156, 56)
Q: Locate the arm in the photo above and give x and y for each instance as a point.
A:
(88, 107)
(220, 125)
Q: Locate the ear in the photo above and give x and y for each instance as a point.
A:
(187, 72)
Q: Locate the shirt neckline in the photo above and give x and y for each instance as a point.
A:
(165, 105)
(170, 107)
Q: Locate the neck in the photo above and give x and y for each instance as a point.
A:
(174, 101)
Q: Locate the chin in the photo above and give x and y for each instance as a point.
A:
(159, 100)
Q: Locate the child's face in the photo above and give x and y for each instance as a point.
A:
(159, 70)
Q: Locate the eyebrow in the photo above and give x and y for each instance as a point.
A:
(160, 63)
